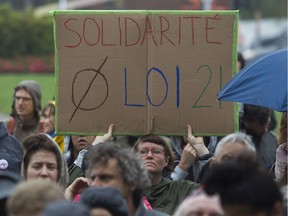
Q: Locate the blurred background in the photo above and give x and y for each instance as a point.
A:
(27, 46)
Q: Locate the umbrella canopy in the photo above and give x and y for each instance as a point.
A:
(262, 82)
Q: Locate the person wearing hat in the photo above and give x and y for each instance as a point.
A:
(104, 201)
(11, 155)
(8, 181)
(64, 208)
(26, 109)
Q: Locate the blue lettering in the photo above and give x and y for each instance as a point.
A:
(177, 86)
(147, 86)
(126, 97)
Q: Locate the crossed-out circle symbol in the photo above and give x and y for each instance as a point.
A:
(78, 105)
(82, 72)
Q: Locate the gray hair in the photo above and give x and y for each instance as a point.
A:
(236, 137)
(189, 203)
(130, 165)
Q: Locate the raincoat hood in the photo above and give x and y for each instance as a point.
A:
(63, 175)
(34, 90)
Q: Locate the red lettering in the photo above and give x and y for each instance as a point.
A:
(161, 18)
(180, 30)
(102, 31)
(126, 32)
(66, 27)
(130, 31)
(120, 31)
(211, 28)
(148, 30)
(192, 26)
(84, 31)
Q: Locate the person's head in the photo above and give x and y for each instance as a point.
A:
(108, 164)
(11, 153)
(8, 182)
(200, 205)
(27, 100)
(30, 197)
(76, 144)
(234, 145)
(255, 119)
(244, 188)
(155, 152)
(283, 129)
(64, 208)
(81, 142)
(104, 201)
(48, 118)
(43, 159)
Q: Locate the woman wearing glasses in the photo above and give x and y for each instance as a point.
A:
(165, 194)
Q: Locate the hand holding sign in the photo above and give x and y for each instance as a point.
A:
(106, 137)
(196, 142)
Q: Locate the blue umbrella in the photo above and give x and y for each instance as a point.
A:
(262, 82)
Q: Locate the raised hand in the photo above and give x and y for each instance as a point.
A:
(196, 142)
(106, 137)
(76, 188)
(187, 158)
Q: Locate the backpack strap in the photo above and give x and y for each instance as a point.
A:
(10, 125)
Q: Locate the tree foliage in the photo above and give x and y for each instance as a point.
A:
(265, 8)
(23, 34)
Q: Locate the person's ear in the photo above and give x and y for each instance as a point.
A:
(131, 187)
(167, 159)
(211, 161)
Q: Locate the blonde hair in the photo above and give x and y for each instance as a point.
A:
(30, 197)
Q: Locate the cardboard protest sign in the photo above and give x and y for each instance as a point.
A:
(144, 71)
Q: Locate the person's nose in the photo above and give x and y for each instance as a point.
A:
(44, 172)
(149, 154)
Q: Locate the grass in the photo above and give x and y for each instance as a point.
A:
(47, 83)
(9, 81)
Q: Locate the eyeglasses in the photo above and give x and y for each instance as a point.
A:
(24, 99)
(156, 152)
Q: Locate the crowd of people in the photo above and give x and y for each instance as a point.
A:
(42, 173)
